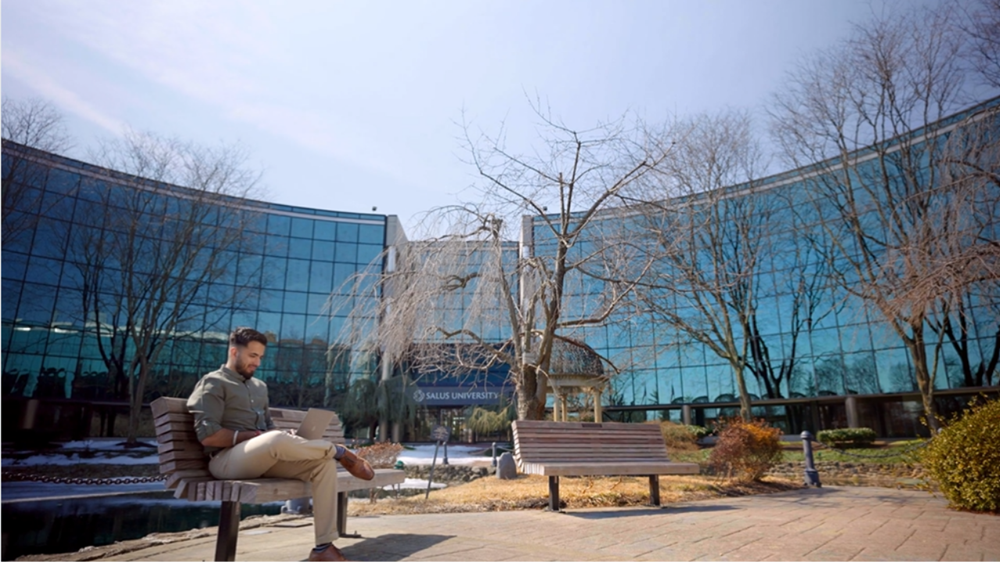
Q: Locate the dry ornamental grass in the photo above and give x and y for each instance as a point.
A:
(531, 492)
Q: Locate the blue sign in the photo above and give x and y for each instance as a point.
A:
(458, 395)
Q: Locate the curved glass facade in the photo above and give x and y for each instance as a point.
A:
(762, 251)
(275, 277)
(816, 355)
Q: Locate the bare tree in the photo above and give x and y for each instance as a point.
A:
(876, 186)
(34, 123)
(471, 298)
(981, 24)
(962, 277)
(158, 261)
(707, 226)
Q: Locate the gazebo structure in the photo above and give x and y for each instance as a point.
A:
(574, 368)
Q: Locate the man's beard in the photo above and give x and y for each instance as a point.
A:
(245, 369)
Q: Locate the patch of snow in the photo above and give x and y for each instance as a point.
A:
(457, 454)
(75, 458)
(108, 444)
(416, 483)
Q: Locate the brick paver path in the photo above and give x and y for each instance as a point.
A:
(834, 523)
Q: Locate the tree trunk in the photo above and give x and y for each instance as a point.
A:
(741, 383)
(925, 381)
(530, 395)
(135, 407)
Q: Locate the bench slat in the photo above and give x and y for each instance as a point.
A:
(186, 464)
(175, 478)
(611, 469)
(187, 488)
(166, 405)
(173, 446)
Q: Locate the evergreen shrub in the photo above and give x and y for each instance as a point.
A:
(745, 451)
(698, 431)
(678, 437)
(964, 458)
(847, 437)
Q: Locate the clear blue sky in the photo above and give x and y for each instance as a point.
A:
(349, 105)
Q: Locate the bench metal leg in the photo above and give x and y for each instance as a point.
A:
(341, 513)
(229, 531)
(342, 517)
(553, 493)
(654, 489)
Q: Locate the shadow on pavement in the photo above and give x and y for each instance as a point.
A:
(392, 547)
(643, 511)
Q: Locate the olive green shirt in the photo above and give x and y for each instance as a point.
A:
(224, 399)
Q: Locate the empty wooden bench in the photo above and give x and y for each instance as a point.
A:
(183, 461)
(557, 449)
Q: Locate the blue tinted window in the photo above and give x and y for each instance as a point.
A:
(297, 275)
(255, 222)
(368, 253)
(320, 277)
(271, 300)
(323, 250)
(300, 248)
(341, 274)
(325, 230)
(248, 269)
(50, 239)
(43, 270)
(37, 304)
(293, 326)
(302, 228)
(295, 302)
(10, 293)
(317, 301)
(14, 265)
(277, 224)
(277, 245)
(269, 322)
(273, 272)
(244, 318)
(318, 331)
(347, 232)
(347, 253)
(371, 234)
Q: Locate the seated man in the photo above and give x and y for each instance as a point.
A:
(233, 423)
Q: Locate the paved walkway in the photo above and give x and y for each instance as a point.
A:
(832, 523)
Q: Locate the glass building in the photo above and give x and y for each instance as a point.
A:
(76, 238)
(275, 274)
(816, 355)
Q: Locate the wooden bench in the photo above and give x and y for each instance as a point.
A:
(183, 461)
(557, 449)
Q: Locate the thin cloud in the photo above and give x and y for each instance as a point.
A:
(61, 96)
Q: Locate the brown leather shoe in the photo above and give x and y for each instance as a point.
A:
(358, 467)
(329, 553)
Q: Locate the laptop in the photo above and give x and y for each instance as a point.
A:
(315, 423)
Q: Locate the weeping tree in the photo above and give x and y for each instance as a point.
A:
(369, 402)
(474, 287)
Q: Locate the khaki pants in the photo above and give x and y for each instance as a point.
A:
(276, 454)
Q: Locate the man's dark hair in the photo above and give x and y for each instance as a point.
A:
(243, 335)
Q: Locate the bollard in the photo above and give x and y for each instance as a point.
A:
(812, 476)
(445, 459)
(494, 454)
